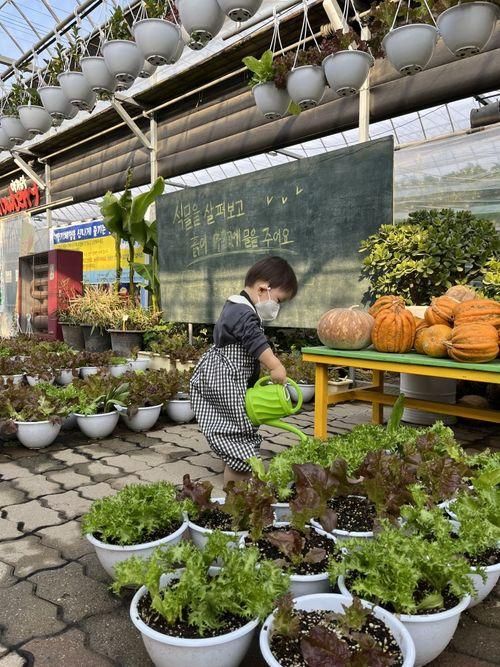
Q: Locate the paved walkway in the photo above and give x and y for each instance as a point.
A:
(55, 606)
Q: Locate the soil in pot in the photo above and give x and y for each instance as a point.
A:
(288, 653)
(354, 513)
(214, 519)
(147, 536)
(489, 557)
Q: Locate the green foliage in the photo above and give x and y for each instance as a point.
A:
(134, 513)
(31, 404)
(341, 41)
(262, 69)
(117, 26)
(150, 388)
(296, 369)
(100, 394)
(244, 586)
(286, 621)
(423, 256)
(55, 66)
(249, 504)
(75, 51)
(491, 279)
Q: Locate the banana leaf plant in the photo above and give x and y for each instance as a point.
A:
(149, 272)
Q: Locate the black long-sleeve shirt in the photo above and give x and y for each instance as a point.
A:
(240, 324)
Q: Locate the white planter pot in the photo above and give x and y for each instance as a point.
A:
(307, 392)
(36, 435)
(337, 386)
(139, 364)
(117, 370)
(200, 535)
(144, 419)
(342, 535)
(273, 102)
(346, 71)
(335, 603)
(56, 104)
(156, 361)
(179, 51)
(85, 371)
(65, 377)
(180, 410)
(158, 40)
(109, 555)
(484, 588)
(14, 129)
(239, 10)
(33, 380)
(123, 59)
(165, 651)
(69, 423)
(306, 86)
(5, 143)
(35, 119)
(98, 75)
(147, 70)
(466, 29)
(202, 20)
(282, 512)
(77, 89)
(410, 47)
(97, 426)
(428, 389)
(16, 379)
(431, 633)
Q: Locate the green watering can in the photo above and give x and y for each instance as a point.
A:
(267, 403)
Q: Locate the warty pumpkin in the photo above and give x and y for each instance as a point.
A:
(385, 302)
(346, 328)
(394, 330)
(440, 311)
(479, 310)
(473, 343)
(433, 339)
(461, 293)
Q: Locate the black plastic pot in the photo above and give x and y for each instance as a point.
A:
(97, 340)
(123, 342)
(73, 336)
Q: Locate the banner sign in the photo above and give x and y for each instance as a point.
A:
(21, 196)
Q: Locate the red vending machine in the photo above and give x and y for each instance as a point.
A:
(46, 281)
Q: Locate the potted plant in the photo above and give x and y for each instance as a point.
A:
(313, 628)
(72, 81)
(69, 396)
(338, 380)
(128, 326)
(138, 364)
(134, 522)
(466, 27)
(346, 69)
(93, 363)
(158, 36)
(94, 310)
(122, 56)
(239, 10)
(70, 327)
(9, 119)
(302, 372)
(52, 95)
(302, 76)
(202, 21)
(179, 408)
(32, 115)
(11, 370)
(97, 415)
(190, 613)
(147, 394)
(42, 366)
(272, 101)
(98, 76)
(157, 346)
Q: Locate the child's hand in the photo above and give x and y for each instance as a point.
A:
(278, 374)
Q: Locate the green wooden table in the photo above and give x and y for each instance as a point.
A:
(378, 363)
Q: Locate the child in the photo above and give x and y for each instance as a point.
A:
(232, 365)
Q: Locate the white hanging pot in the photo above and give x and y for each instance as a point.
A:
(202, 20)
(410, 47)
(306, 86)
(239, 10)
(273, 102)
(5, 143)
(98, 75)
(14, 129)
(35, 119)
(123, 59)
(147, 70)
(144, 419)
(36, 435)
(57, 104)
(179, 51)
(346, 71)
(97, 426)
(467, 28)
(158, 40)
(76, 88)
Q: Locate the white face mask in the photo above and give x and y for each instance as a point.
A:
(267, 310)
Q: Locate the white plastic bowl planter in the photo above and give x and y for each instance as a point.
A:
(158, 40)
(179, 410)
(65, 377)
(346, 71)
(282, 512)
(123, 59)
(36, 435)
(466, 29)
(484, 588)
(77, 89)
(273, 102)
(199, 534)
(117, 370)
(56, 104)
(109, 555)
(141, 364)
(85, 371)
(33, 380)
(307, 392)
(239, 10)
(306, 86)
(98, 75)
(69, 423)
(202, 20)
(16, 379)
(14, 129)
(97, 426)
(431, 633)
(341, 535)
(5, 143)
(335, 603)
(147, 70)
(35, 119)
(144, 419)
(410, 47)
(179, 51)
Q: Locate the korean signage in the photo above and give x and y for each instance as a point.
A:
(20, 197)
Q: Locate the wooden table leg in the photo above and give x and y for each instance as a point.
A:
(321, 401)
(378, 408)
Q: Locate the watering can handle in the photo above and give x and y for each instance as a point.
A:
(267, 380)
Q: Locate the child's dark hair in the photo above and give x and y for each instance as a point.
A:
(276, 271)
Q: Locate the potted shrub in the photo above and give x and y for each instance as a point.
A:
(272, 101)
(94, 311)
(346, 69)
(156, 344)
(466, 27)
(96, 414)
(302, 76)
(201, 20)
(72, 81)
(239, 10)
(32, 115)
(302, 372)
(179, 408)
(128, 327)
(314, 628)
(158, 36)
(146, 396)
(122, 56)
(52, 95)
(11, 370)
(134, 522)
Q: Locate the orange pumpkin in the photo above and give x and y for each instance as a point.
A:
(461, 293)
(394, 330)
(479, 310)
(385, 302)
(346, 328)
(433, 340)
(474, 343)
(417, 344)
(440, 311)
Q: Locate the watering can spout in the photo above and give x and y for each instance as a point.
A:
(288, 427)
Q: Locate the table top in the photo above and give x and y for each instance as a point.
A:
(408, 358)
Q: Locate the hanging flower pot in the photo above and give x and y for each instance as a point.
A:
(123, 59)
(410, 47)
(76, 88)
(57, 104)
(178, 52)
(306, 86)
(466, 29)
(202, 20)
(273, 102)
(14, 129)
(5, 143)
(35, 119)
(98, 75)
(147, 70)
(346, 71)
(158, 40)
(239, 10)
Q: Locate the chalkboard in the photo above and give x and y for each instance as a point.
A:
(313, 212)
